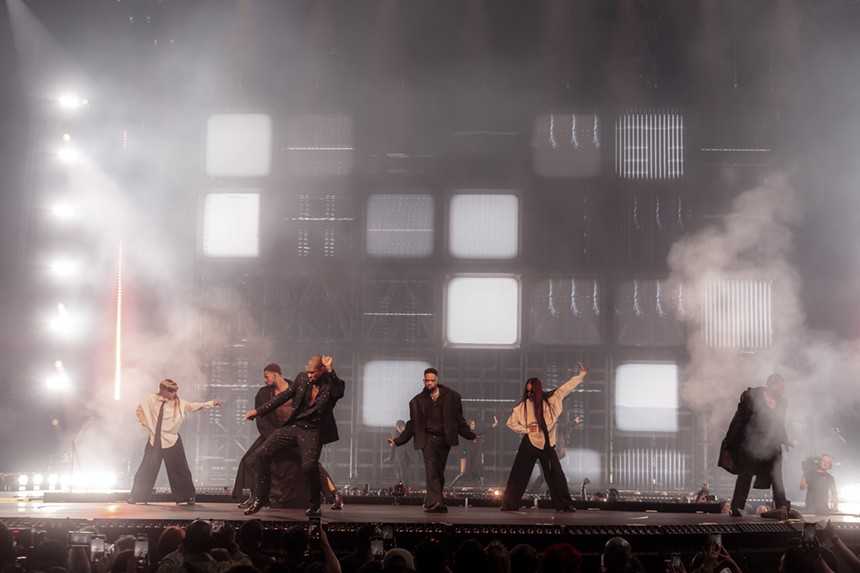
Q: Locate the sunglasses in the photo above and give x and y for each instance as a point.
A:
(171, 390)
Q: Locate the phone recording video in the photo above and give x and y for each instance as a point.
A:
(377, 548)
(217, 525)
(716, 540)
(141, 547)
(314, 528)
(97, 546)
(809, 533)
(79, 538)
(676, 560)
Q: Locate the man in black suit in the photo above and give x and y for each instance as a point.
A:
(435, 420)
(310, 425)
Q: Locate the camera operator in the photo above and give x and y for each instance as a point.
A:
(819, 485)
(194, 554)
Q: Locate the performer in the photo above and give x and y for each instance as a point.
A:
(435, 419)
(275, 384)
(404, 458)
(820, 485)
(310, 425)
(754, 441)
(472, 454)
(535, 417)
(162, 414)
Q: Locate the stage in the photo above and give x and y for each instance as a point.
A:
(653, 534)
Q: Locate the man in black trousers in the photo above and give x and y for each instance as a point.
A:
(310, 425)
(435, 420)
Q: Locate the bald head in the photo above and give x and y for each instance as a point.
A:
(314, 367)
(617, 554)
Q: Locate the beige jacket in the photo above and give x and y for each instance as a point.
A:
(524, 413)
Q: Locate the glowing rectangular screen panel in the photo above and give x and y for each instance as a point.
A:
(566, 145)
(387, 387)
(231, 225)
(483, 311)
(646, 397)
(400, 225)
(484, 226)
(320, 144)
(649, 145)
(239, 145)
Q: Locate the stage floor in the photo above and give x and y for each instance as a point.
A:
(361, 513)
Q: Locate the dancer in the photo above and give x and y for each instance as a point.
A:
(404, 458)
(275, 384)
(435, 419)
(536, 416)
(310, 425)
(162, 414)
(472, 454)
(754, 441)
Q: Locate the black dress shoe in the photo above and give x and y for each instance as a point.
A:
(247, 503)
(338, 502)
(737, 512)
(131, 501)
(189, 501)
(314, 511)
(437, 507)
(256, 505)
(566, 509)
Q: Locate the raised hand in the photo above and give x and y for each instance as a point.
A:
(582, 367)
(217, 401)
(327, 361)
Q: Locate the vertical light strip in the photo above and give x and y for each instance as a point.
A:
(117, 374)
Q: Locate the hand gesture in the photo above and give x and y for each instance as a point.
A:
(217, 402)
(251, 415)
(582, 368)
(495, 422)
(327, 361)
(534, 428)
(390, 441)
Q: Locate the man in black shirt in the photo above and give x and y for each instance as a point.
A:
(435, 420)
(818, 483)
(310, 425)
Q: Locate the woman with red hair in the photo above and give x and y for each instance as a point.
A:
(535, 417)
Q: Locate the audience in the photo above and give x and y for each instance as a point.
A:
(200, 549)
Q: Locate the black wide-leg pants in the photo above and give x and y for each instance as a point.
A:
(521, 471)
(435, 454)
(744, 481)
(178, 472)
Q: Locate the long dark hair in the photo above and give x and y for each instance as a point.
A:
(538, 396)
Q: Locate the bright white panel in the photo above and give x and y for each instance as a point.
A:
(231, 225)
(484, 226)
(582, 463)
(400, 225)
(646, 397)
(239, 145)
(483, 310)
(387, 387)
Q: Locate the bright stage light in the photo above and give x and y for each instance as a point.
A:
(53, 480)
(62, 323)
(64, 268)
(71, 101)
(60, 380)
(23, 480)
(69, 154)
(63, 211)
(37, 480)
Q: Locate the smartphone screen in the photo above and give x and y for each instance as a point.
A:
(79, 538)
(97, 545)
(387, 531)
(377, 548)
(141, 548)
(217, 525)
(676, 560)
(715, 539)
(314, 528)
(808, 532)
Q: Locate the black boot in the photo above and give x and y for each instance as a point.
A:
(247, 503)
(257, 504)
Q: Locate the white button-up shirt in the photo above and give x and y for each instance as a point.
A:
(174, 414)
(524, 413)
